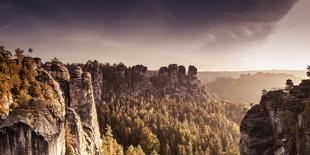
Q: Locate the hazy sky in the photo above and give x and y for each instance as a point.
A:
(210, 34)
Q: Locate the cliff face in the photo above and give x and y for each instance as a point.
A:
(35, 127)
(34, 122)
(81, 117)
(279, 124)
(82, 101)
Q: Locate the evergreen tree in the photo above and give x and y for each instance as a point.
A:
(19, 54)
(308, 71)
(109, 144)
(134, 150)
(289, 84)
(149, 141)
(264, 92)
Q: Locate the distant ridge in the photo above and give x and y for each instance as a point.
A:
(209, 76)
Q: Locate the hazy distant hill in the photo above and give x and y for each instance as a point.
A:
(248, 87)
(209, 76)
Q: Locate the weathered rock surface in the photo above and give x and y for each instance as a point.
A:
(73, 121)
(82, 102)
(81, 115)
(61, 74)
(37, 127)
(279, 124)
(173, 81)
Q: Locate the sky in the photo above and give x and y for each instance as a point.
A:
(210, 34)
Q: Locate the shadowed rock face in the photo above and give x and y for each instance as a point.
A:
(257, 132)
(279, 124)
(21, 139)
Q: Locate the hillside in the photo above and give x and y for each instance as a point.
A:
(210, 76)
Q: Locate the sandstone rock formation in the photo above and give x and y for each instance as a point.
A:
(81, 115)
(173, 81)
(279, 124)
(82, 102)
(78, 135)
(61, 74)
(36, 127)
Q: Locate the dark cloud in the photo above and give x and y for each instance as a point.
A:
(184, 12)
(205, 23)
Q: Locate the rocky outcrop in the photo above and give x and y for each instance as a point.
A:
(36, 127)
(82, 102)
(81, 117)
(174, 82)
(279, 124)
(256, 132)
(95, 70)
(61, 74)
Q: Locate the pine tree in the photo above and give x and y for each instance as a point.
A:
(134, 150)
(109, 144)
(289, 84)
(149, 141)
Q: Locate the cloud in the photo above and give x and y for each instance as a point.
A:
(201, 26)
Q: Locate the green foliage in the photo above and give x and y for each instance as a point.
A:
(19, 55)
(134, 150)
(109, 144)
(9, 71)
(308, 71)
(19, 78)
(289, 84)
(264, 92)
(23, 97)
(180, 127)
(149, 141)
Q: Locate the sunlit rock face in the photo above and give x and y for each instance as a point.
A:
(279, 124)
(83, 103)
(80, 145)
(81, 115)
